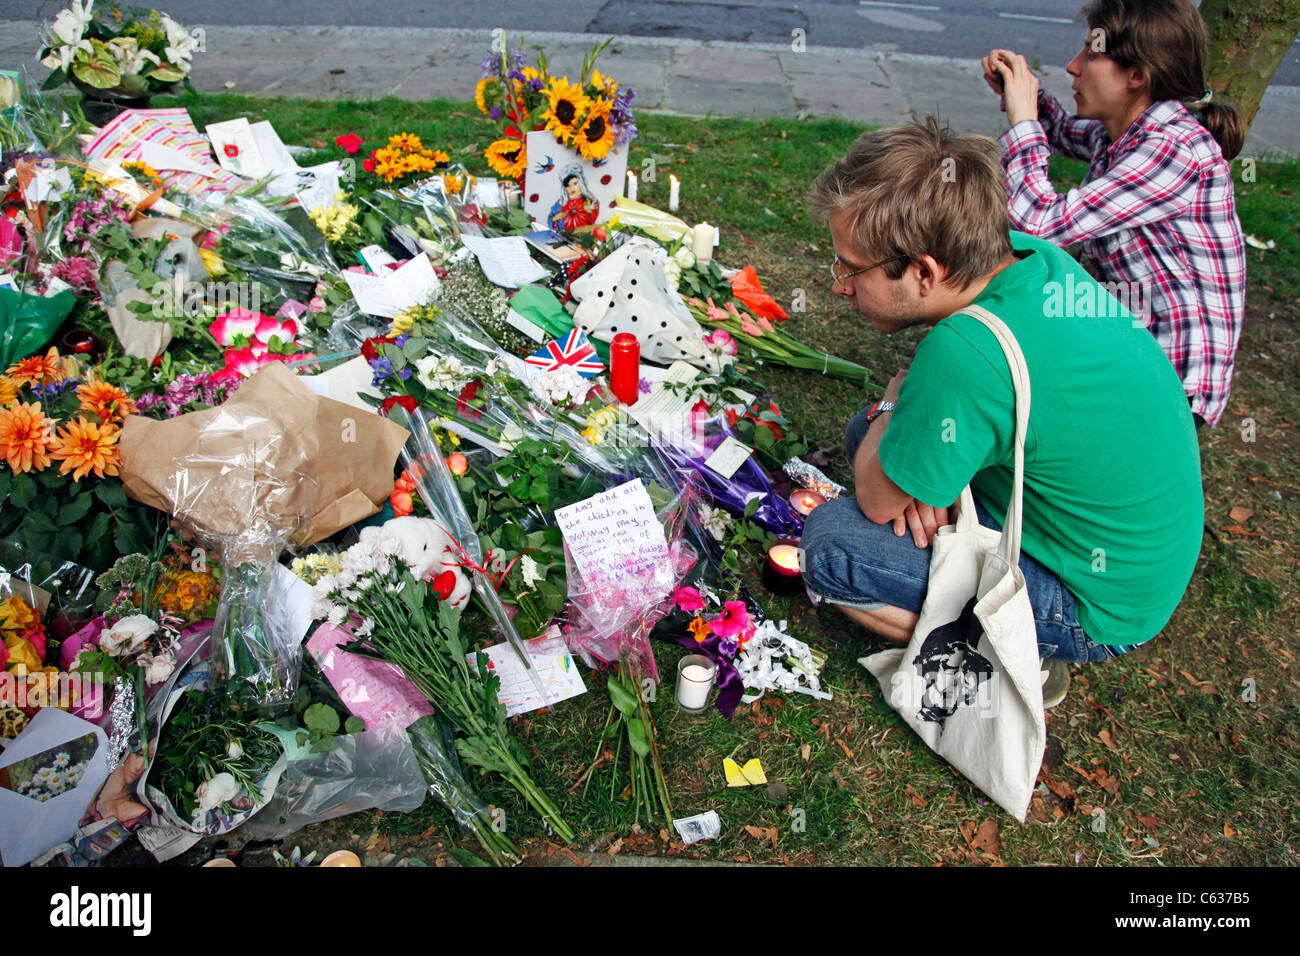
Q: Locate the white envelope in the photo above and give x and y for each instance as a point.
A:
(28, 828)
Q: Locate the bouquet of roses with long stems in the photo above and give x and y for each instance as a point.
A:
(409, 625)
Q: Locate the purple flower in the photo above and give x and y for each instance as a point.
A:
(490, 67)
(382, 368)
(404, 374)
(401, 339)
(495, 112)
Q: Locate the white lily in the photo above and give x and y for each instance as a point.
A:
(181, 44)
(70, 25)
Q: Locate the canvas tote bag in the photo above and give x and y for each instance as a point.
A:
(969, 681)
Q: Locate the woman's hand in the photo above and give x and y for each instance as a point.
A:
(1019, 85)
(991, 75)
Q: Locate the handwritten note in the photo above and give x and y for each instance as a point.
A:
(614, 536)
(392, 291)
(505, 260)
(555, 666)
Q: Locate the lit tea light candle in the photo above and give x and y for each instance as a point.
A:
(341, 858)
(781, 572)
(805, 500)
(631, 185)
(695, 674)
(674, 193)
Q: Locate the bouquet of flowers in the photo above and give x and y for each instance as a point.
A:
(591, 116)
(106, 50)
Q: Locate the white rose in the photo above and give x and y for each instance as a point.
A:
(128, 635)
(684, 257)
(220, 789)
(157, 669)
(234, 751)
(673, 273)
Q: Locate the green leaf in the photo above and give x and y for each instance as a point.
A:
(636, 737)
(75, 509)
(54, 79)
(112, 494)
(24, 490)
(751, 506)
(763, 438)
(166, 73)
(354, 724)
(321, 718)
(39, 522)
(464, 857)
(621, 699)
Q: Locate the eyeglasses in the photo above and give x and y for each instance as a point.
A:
(838, 277)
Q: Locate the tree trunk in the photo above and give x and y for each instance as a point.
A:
(1248, 39)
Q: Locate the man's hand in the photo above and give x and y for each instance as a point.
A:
(923, 520)
(894, 387)
(1019, 85)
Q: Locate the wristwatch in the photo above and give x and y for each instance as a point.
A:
(878, 409)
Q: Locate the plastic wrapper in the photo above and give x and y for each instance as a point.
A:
(734, 494)
(275, 464)
(62, 592)
(435, 750)
(372, 770)
(656, 222)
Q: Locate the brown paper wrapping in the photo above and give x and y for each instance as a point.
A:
(274, 455)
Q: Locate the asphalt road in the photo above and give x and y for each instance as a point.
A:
(1049, 30)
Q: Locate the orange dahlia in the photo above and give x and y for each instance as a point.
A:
(8, 390)
(105, 400)
(44, 369)
(25, 437)
(85, 446)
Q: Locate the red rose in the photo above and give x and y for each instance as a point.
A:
(533, 198)
(604, 180)
(402, 503)
(370, 347)
(350, 142)
(231, 150)
(466, 396)
(406, 401)
(599, 234)
(457, 463)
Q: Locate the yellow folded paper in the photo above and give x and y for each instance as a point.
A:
(750, 775)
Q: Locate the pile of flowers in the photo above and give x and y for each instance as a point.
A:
(403, 158)
(591, 116)
(132, 55)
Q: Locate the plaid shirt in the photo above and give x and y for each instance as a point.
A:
(1156, 212)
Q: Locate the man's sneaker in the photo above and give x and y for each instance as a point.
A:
(1056, 681)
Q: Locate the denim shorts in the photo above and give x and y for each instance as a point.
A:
(852, 561)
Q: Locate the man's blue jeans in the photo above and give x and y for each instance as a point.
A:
(852, 561)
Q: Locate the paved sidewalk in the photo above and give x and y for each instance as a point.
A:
(685, 77)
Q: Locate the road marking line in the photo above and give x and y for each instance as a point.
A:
(902, 6)
(1030, 16)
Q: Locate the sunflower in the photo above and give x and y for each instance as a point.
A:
(479, 90)
(25, 437)
(596, 135)
(8, 390)
(506, 157)
(84, 446)
(567, 104)
(105, 400)
(603, 84)
(44, 369)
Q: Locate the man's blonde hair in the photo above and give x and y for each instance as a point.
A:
(921, 189)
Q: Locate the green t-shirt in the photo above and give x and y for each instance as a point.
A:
(1113, 501)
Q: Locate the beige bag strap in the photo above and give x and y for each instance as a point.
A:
(1009, 545)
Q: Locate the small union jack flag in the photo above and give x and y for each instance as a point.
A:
(573, 349)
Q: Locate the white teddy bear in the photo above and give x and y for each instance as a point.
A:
(427, 550)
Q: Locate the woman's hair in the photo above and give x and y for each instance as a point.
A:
(574, 171)
(1166, 38)
(921, 189)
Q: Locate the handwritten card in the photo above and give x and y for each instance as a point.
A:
(375, 691)
(505, 260)
(614, 536)
(393, 291)
(555, 666)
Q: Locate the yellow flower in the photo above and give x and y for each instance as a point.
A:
(567, 105)
(407, 141)
(213, 261)
(605, 84)
(507, 158)
(25, 437)
(17, 617)
(85, 446)
(479, 90)
(592, 434)
(21, 654)
(595, 136)
(8, 390)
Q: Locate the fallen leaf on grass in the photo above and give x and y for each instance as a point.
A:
(845, 747)
(1228, 831)
(982, 838)
(915, 798)
(1106, 782)
(1240, 530)
(1151, 823)
(615, 847)
(806, 752)
(1059, 787)
(1106, 739)
(1038, 809)
(1240, 514)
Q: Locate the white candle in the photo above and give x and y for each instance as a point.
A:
(631, 185)
(694, 681)
(674, 192)
(702, 242)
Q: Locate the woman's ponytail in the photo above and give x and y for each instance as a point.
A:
(1225, 125)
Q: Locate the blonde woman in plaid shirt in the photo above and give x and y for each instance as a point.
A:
(1156, 213)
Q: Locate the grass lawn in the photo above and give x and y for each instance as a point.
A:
(1184, 752)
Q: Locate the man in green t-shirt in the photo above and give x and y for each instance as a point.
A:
(1113, 509)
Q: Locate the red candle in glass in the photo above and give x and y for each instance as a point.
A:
(781, 573)
(805, 500)
(625, 367)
